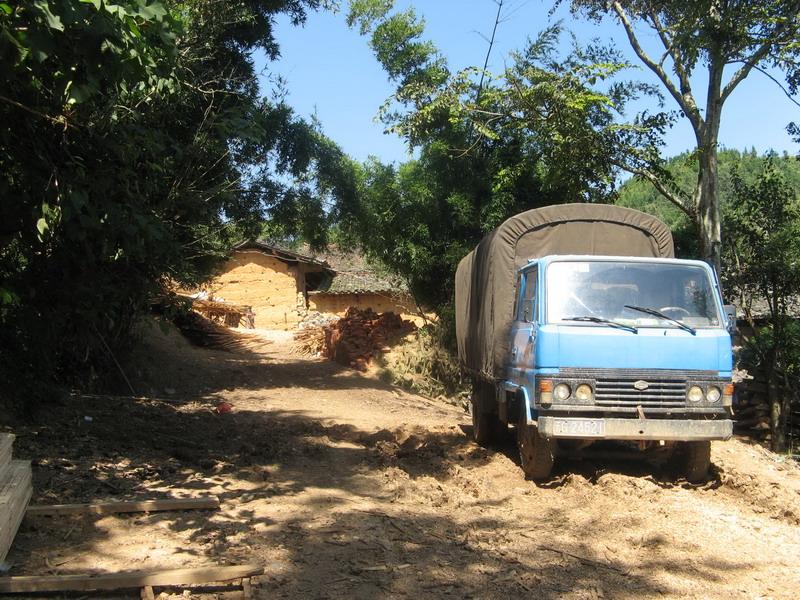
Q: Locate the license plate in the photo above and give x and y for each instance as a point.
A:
(579, 427)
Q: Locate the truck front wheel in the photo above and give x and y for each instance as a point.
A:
(692, 460)
(536, 454)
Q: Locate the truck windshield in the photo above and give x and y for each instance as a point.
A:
(609, 290)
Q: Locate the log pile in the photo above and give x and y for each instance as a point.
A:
(310, 341)
(225, 313)
(354, 339)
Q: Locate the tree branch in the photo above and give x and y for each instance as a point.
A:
(686, 102)
(660, 186)
(680, 70)
(744, 71)
(778, 83)
(489, 51)
(54, 120)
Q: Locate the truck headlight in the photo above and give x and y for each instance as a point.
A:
(695, 394)
(561, 392)
(713, 394)
(584, 392)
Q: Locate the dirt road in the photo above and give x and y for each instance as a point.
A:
(347, 488)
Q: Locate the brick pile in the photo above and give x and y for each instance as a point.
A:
(363, 334)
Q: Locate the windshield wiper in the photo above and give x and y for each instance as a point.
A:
(660, 315)
(608, 322)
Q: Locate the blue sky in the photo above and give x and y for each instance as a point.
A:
(331, 72)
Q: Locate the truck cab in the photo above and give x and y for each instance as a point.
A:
(617, 348)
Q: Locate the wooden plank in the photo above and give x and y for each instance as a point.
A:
(16, 489)
(125, 580)
(107, 508)
(6, 450)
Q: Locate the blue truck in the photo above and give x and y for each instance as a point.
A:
(578, 324)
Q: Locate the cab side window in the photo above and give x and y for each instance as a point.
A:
(527, 309)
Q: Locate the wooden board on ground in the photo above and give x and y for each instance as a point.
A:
(126, 580)
(6, 449)
(107, 508)
(16, 489)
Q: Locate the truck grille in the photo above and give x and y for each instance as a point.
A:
(623, 392)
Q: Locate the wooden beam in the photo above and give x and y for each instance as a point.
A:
(107, 508)
(125, 580)
(16, 489)
(6, 449)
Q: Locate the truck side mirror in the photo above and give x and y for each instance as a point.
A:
(730, 312)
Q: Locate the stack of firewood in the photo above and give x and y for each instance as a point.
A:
(310, 341)
(203, 332)
(355, 338)
(225, 313)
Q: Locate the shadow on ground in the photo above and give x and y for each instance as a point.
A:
(331, 510)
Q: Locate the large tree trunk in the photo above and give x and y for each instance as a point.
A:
(709, 212)
(777, 418)
(779, 394)
(709, 217)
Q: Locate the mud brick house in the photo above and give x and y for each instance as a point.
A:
(284, 286)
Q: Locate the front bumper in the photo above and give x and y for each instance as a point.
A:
(683, 430)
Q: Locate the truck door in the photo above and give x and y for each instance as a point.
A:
(524, 329)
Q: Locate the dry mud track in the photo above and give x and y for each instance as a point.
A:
(347, 488)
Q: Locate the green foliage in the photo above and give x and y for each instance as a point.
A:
(134, 150)
(764, 239)
(763, 257)
(638, 193)
(757, 353)
(538, 134)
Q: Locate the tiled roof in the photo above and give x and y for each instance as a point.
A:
(350, 271)
(283, 254)
(354, 275)
(361, 282)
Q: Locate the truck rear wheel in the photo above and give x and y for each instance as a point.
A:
(486, 426)
(536, 454)
(692, 460)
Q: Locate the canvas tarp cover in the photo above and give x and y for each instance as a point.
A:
(486, 277)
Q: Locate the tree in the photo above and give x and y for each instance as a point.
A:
(763, 252)
(135, 149)
(712, 35)
(489, 147)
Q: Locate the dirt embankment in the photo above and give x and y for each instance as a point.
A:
(347, 488)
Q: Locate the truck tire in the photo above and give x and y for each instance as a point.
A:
(536, 454)
(486, 426)
(692, 460)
